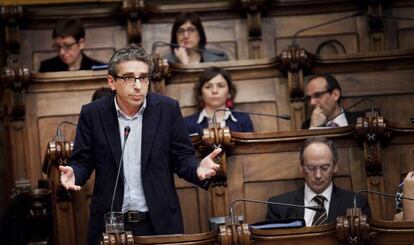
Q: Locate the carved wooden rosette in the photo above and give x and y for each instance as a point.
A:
(118, 238)
(371, 133)
(159, 75)
(15, 80)
(11, 15)
(233, 232)
(353, 228)
(133, 11)
(254, 10)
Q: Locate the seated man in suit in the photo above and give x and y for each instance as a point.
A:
(69, 41)
(318, 158)
(324, 95)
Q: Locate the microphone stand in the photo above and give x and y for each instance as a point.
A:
(323, 24)
(161, 43)
(379, 193)
(239, 234)
(314, 208)
(127, 129)
(216, 128)
(350, 107)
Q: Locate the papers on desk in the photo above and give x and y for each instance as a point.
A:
(273, 224)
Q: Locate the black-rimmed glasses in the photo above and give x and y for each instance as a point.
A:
(317, 95)
(64, 46)
(131, 80)
(189, 30)
(313, 169)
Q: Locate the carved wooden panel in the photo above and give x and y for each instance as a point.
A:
(284, 29)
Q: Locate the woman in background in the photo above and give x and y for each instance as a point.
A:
(215, 90)
(189, 41)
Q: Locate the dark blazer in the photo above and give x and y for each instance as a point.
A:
(340, 200)
(243, 124)
(166, 148)
(56, 64)
(208, 55)
(351, 117)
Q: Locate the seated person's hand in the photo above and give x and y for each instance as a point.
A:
(182, 55)
(408, 205)
(317, 117)
(398, 217)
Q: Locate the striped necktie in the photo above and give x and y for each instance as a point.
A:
(320, 217)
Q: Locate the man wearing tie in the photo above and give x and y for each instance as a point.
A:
(318, 158)
(323, 94)
(157, 147)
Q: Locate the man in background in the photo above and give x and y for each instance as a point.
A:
(323, 93)
(68, 41)
(318, 158)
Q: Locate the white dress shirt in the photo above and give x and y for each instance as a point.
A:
(308, 201)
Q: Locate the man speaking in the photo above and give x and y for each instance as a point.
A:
(158, 146)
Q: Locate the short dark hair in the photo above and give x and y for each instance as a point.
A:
(132, 52)
(206, 76)
(69, 27)
(331, 145)
(195, 20)
(102, 92)
(331, 82)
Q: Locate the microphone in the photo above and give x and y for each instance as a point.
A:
(284, 117)
(323, 24)
(59, 135)
(379, 193)
(127, 129)
(175, 45)
(315, 208)
(349, 108)
(389, 17)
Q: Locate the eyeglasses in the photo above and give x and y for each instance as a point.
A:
(189, 30)
(323, 168)
(317, 95)
(131, 80)
(64, 46)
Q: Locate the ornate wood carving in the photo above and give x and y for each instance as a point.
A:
(134, 11)
(15, 80)
(118, 238)
(11, 16)
(160, 74)
(353, 228)
(218, 137)
(234, 232)
(294, 61)
(371, 132)
(254, 10)
(57, 154)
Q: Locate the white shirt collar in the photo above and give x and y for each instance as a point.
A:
(227, 114)
(310, 194)
(121, 113)
(340, 120)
